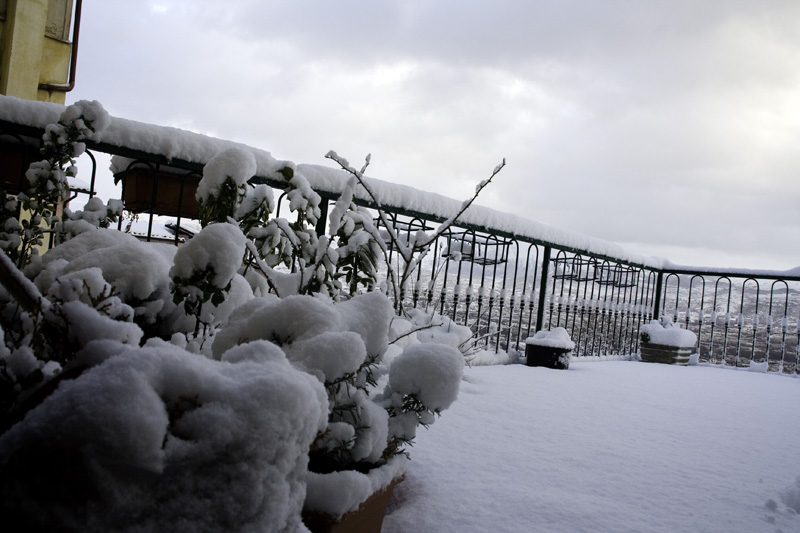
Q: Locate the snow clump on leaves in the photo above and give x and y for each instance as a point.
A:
(205, 266)
(224, 186)
(178, 443)
(423, 381)
(431, 372)
(234, 164)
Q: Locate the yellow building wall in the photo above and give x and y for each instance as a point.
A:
(54, 68)
(34, 48)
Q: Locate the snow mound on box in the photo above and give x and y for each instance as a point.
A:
(555, 338)
(666, 333)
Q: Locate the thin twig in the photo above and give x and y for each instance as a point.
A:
(407, 252)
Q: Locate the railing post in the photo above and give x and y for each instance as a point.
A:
(657, 302)
(543, 288)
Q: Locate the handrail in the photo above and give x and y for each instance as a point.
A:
(603, 303)
(331, 193)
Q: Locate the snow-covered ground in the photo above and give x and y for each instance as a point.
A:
(608, 446)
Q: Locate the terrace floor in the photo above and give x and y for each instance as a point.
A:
(608, 446)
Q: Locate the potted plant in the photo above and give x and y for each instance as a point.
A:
(233, 380)
(662, 341)
(377, 395)
(551, 349)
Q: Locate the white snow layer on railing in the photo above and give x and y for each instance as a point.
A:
(174, 143)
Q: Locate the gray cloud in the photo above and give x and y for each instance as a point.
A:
(668, 124)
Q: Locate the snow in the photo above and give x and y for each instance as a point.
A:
(90, 325)
(234, 163)
(179, 443)
(330, 355)
(339, 492)
(667, 333)
(555, 338)
(133, 267)
(283, 321)
(140, 228)
(445, 331)
(219, 247)
(83, 112)
(28, 293)
(607, 447)
(332, 181)
(174, 143)
(430, 372)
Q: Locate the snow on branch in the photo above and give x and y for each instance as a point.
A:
(413, 250)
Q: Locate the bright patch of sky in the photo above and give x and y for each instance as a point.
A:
(159, 9)
(671, 124)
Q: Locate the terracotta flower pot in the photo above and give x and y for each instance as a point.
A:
(368, 518)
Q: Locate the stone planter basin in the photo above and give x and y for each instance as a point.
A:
(665, 342)
(662, 353)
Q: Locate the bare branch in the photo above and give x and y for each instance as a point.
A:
(410, 253)
(444, 226)
(264, 268)
(21, 288)
(359, 175)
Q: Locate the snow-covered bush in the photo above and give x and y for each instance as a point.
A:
(158, 439)
(145, 387)
(342, 344)
(204, 268)
(21, 236)
(225, 195)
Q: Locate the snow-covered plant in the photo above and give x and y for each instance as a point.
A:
(411, 249)
(195, 382)
(95, 214)
(62, 144)
(43, 333)
(158, 439)
(204, 268)
(224, 187)
(275, 245)
(360, 246)
(345, 345)
(423, 381)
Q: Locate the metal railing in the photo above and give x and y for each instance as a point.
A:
(506, 285)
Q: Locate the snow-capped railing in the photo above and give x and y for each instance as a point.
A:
(504, 276)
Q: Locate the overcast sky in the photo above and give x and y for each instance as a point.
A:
(671, 127)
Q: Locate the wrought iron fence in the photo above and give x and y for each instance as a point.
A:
(506, 286)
